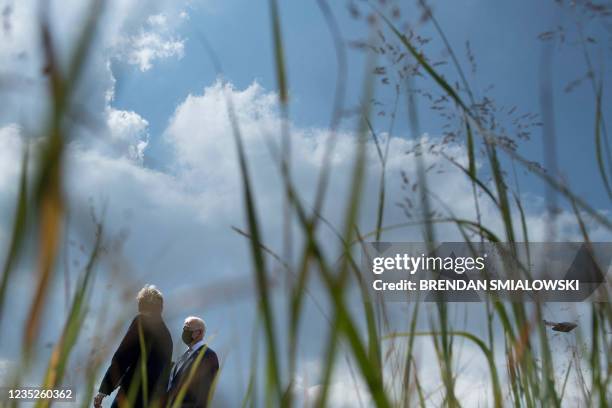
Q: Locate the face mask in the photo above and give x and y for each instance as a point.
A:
(187, 336)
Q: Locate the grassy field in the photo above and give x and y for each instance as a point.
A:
(385, 360)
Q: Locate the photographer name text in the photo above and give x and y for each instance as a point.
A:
(478, 285)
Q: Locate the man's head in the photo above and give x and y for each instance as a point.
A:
(194, 330)
(150, 300)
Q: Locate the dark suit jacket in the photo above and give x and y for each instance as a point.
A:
(125, 369)
(199, 388)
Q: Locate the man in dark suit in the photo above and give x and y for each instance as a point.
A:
(193, 375)
(138, 387)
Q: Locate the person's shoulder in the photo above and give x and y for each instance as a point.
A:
(163, 327)
(210, 353)
(155, 324)
(153, 320)
(140, 319)
(166, 334)
(135, 320)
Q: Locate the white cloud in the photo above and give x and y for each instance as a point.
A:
(5, 370)
(201, 136)
(346, 389)
(135, 32)
(148, 46)
(128, 130)
(12, 148)
(154, 41)
(159, 20)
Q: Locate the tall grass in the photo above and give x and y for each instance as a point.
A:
(529, 377)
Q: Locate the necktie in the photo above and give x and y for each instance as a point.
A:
(180, 362)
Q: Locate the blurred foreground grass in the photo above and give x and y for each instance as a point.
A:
(529, 377)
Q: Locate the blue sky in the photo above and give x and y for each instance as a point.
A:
(503, 38)
(156, 150)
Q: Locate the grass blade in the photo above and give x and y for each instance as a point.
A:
(598, 147)
(18, 232)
